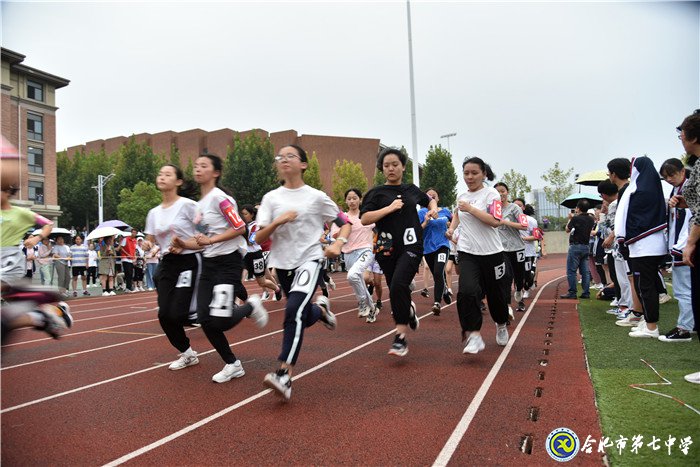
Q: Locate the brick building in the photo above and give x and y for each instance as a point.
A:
(29, 123)
(192, 143)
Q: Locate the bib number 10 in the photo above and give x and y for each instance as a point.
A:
(409, 236)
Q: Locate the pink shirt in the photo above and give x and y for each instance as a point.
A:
(361, 236)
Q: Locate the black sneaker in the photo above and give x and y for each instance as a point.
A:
(280, 382)
(436, 309)
(521, 306)
(399, 347)
(425, 293)
(447, 297)
(378, 305)
(413, 322)
(676, 335)
(278, 294)
(370, 289)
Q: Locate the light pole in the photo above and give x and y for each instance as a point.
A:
(448, 136)
(101, 182)
(414, 134)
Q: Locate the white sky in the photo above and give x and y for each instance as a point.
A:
(522, 84)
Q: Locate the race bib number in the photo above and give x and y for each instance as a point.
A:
(231, 215)
(522, 218)
(496, 209)
(521, 256)
(221, 305)
(184, 280)
(442, 257)
(258, 266)
(528, 266)
(305, 278)
(499, 271)
(409, 236)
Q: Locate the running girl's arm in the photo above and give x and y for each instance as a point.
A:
(47, 227)
(515, 225)
(265, 232)
(453, 226)
(371, 217)
(483, 216)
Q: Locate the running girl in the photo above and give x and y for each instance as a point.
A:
(436, 248)
(254, 260)
(513, 245)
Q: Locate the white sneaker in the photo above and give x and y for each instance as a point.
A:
(615, 302)
(526, 294)
(328, 318)
(265, 296)
(230, 371)
(105, 294)
(643, 331)
(280, 382)
(518, 296)
(259, 314)
(664, 298)
(693, 378)
(613, 311)
(373, 312)
(363, 311)
(501, 335)
(331, 283)
(187, 358)
(150, 289)
(641, 325)
(112, 293)
(630, 320)
(510, 313)
(475, 344)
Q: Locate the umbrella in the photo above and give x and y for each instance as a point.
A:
(101, 232)
(117, 224)
(592, 178)
(55, 232)
(571, 201)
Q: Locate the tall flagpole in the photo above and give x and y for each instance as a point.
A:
(414, 134)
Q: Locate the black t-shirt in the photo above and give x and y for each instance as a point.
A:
(580, 227)
(402, 227)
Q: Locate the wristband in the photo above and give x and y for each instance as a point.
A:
(342, 239)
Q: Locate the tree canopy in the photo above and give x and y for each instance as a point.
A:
(439, 174)
(346, 175)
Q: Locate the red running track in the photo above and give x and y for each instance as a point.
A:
(103, 394)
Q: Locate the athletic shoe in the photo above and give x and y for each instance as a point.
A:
(510, 313)
(53, 324)
(280, 382)
(622, 314)
(75, 293)
(63, 311)
(186, 359)
(632, 319)
(265, 296)
(615, 302)
(664, 298)
(568, 296)
(447, 296)
(86, 293)
(425, 293)
(526, 294)
(413, 322)
(436, 309)
(693, 378)
(412, 286)
(399, 347)
(327, 318)
(363, 311)
(278, 294)
(105, 294)
(642, 323)
(643, 331)
(112, 293)
(258, 313)
(331, 283)
(518, 295)
(501, 335)
(372, 315)
(585, 295)
(521, 306)
(378, 305)
(613, 311)
(475, 344)
(151, 289)
(230, 371)
(676, 335)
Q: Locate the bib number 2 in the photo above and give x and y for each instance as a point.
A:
(409, 236)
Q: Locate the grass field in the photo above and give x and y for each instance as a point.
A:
(614, 361)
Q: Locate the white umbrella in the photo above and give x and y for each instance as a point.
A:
(56, 231)
(101, 232)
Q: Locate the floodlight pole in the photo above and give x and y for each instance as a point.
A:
(414, 134)
(101, 182)
(448, 136)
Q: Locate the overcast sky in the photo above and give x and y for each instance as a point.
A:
(522, 84)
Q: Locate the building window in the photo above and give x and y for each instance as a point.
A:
(35, 160)
(36, 191)
(35, 126)
(35, 90)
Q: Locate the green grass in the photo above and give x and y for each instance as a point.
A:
(614, 361)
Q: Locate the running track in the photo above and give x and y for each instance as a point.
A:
(102, 394)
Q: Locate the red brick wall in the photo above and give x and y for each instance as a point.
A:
(94, 146)
(283, 138)
(50, 176)
(161, 142)
(218, 142)
(191, 144)
(113, 144)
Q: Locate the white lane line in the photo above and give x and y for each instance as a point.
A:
(463, 425)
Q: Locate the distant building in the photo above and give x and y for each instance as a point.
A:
(192, 143)
(29, 122)
(546, 208)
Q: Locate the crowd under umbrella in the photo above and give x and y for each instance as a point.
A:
(102, 232)
(56, 232)
(572, 200)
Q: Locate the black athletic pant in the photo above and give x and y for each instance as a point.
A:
(299, 312)
(176, 281)
(515, 269)
(472, 270)
(92, 275)
(645, 273)
(216, 310)
(530, 270)
(613, 275)
(436, 262)
(128, 269)
(399, 270)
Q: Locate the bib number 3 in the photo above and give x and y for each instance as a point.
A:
(409, 236)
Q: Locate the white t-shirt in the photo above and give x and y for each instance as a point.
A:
(92, 258)
(297, 242)
(475, 237)
(176, 220)
(252, 230)
(213, 222)
(530, 246)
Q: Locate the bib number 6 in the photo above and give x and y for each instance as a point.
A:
(409, 236)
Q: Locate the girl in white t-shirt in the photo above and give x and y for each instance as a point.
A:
(254, 258)
(221, 234)
(293, 216)
(481, 259)
(177, 277)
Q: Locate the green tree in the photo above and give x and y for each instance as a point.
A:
(312, 175)
(346, 175)
(136, 203)
(517, 184)
(559, 187)
(249, 171)
(439, 173)
(379, 178)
